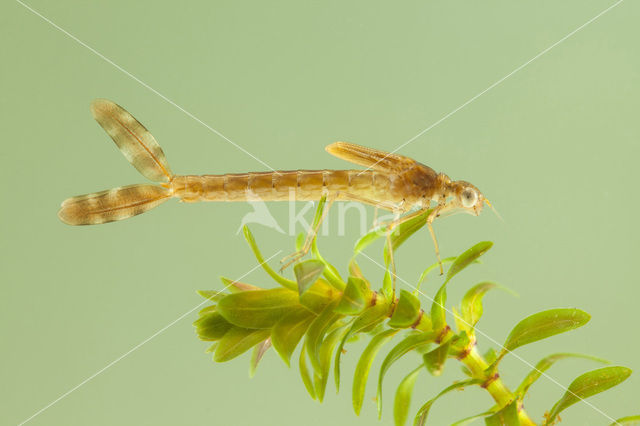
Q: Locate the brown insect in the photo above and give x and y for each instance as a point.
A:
(390, 182)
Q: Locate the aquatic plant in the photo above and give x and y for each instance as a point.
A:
(322, 313)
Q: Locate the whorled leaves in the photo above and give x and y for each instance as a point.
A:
(320, 315)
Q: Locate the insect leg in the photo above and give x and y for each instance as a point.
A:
(346, 196)
(311, 235)
(430, 220)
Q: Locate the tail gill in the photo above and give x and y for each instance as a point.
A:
(141, 149)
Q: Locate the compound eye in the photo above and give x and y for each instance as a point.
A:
(469, 198)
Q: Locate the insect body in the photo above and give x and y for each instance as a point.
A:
(391, 182)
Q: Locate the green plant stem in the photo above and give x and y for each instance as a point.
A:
(496, 388)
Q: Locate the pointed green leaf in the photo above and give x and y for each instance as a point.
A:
(305, 374)
(424, 323)
(402, 401)
(407, 311)
(318, 296)
(471, 419)
(471, 305)
(307, 273)
(438, 309)
(211, 327)
(368, 238)
(364, 365)
(207, 310)
(544, 324)
(421, 417)
(355, 271)
(425, 273)
(288, 331)
(589, 384)
(355, 298)
(543, 365)
(403, 231)
(507, 416)
(465, 370)
(291, 285)
(628, 420)
(237, 286)
(316, 332)
(387, 285)
(490, 355)
(258, 352)
(259, 308)
(213, 295)
(435, 359)
(367, 320)
(406, 345)
(330, 272)
(468, 257)
(326, 353)
(237, 341)
(461, 345)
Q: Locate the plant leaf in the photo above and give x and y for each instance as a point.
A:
(211, 326)
(291, 285)
(213, 295)
(402, 401)
(259, 308)
(304, 373)
(471, 419)
(368, 238)
(318, 296)
(237, 341)
(490, 355)
(435, 359)
(628, 420)
(407, 311)
(471, 305)
(406, 345)
(543, 365)
(364, 365)
(468, 257)
(287, 332)
(355, 298)
(589, 384)
(438, 310)
(388, 285)
(425, 273)
(507, 416)
(403, 231)
(258, 352)
(237, 286)
(330, 272)
(366, 320)
(461, 344)
(307, 273)
(317, 330)
(421, 417)
(300, 241)
(544, 324)
(326, 352)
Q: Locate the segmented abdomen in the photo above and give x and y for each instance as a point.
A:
(300, 185)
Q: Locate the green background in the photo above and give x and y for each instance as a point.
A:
(554, 146)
